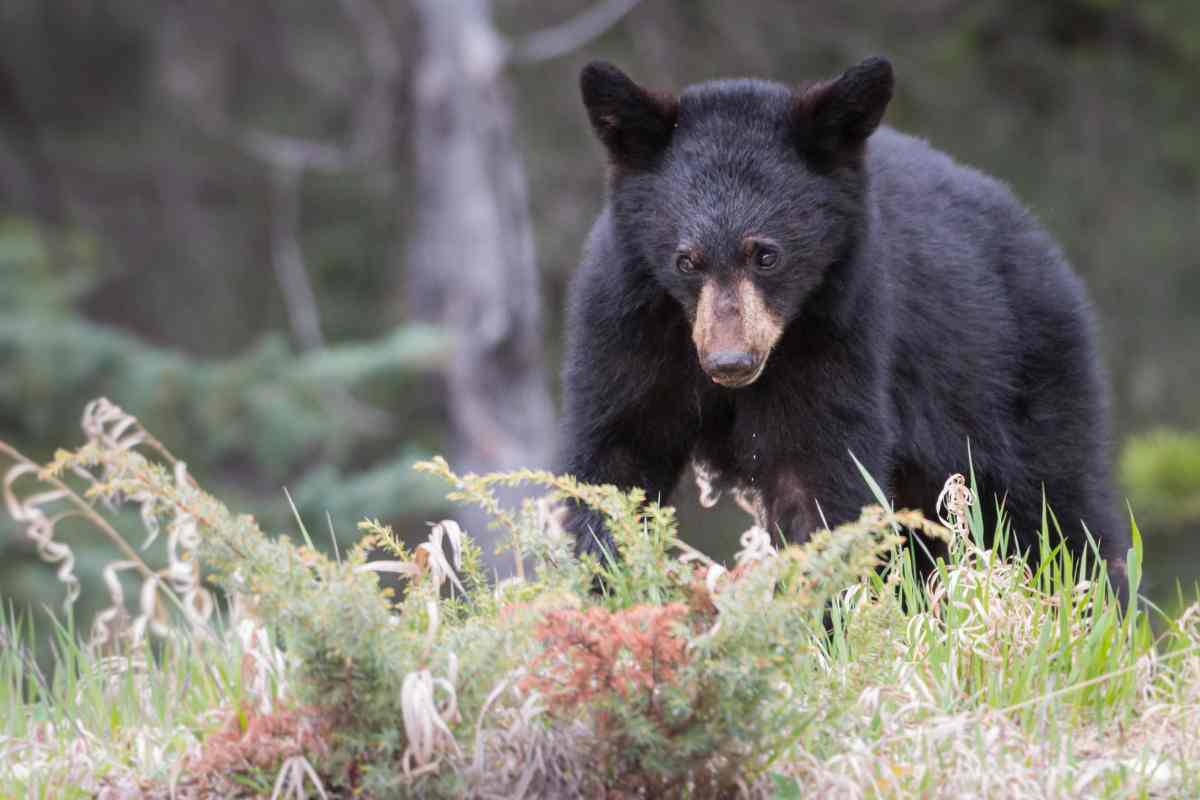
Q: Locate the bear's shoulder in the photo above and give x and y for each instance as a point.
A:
(921, 188)
(898, 160)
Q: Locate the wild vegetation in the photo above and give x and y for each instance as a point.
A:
(823, 668)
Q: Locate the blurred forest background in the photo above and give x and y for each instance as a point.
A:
(309, 243)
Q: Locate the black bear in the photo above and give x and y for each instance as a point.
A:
(776, 282)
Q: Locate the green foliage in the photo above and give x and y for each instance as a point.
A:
(791, 673)
(29, 280)
(726, 711)
(258, 421)
(253, 422)
(1160, 471)
(408, 349)
(356, 655)
(267, 405)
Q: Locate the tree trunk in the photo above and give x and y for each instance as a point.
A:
(471, 264)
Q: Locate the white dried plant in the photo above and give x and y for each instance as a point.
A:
(119, 445)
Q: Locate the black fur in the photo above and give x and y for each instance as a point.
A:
(925, 308)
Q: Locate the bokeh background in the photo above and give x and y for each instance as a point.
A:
(310, 243)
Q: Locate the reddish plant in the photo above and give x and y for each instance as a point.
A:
(257, 743)
(626, 672)
(598, 654)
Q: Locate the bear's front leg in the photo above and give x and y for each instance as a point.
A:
(652, 469)
(626, 434)
(631, 412)
(805, 495)
(791, 506)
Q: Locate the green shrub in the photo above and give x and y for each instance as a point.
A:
(822, 669)
(1161, 473)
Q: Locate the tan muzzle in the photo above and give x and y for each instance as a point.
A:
(734, 332)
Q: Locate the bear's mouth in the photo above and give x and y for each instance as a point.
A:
(741, 379)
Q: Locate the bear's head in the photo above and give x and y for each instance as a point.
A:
(740, 196)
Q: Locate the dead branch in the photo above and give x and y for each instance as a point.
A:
(559, 40)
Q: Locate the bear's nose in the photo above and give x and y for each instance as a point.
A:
(729, 365)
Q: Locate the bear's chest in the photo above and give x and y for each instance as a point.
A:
(732, 460)
(739, 442)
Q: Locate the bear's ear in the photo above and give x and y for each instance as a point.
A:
(833, 118)
(635, 125)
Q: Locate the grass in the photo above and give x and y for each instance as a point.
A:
(795, 671)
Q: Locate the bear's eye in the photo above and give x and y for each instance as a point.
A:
(766, 258)
(684, 263)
